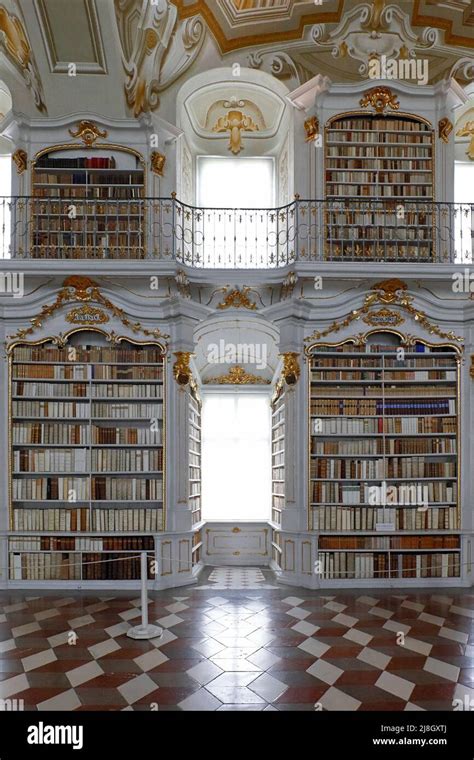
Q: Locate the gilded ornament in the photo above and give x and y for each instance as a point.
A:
(88, 132)
(237, 376)
(181, 369)
(291, 368)
(158, 161)
(15, 45)
(388, 289)
(468, 131)
(235, 122)
(311, 127)
(445, 127)
(288, 286)
(472, 366)
(87, 315)
(20, 158)
(380, 98)
(237, 299)
(383, 318)
(182, 283)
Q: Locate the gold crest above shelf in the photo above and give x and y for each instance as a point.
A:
(237, 299)
(237, 376)
(88, 132)
(380, 98)
(83, 289)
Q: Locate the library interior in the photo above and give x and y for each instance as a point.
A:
(237, 340)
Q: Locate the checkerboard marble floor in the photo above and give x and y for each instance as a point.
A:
(239, 649)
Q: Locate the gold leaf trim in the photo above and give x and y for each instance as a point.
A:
(291, 368)
(237, 376)
(445, 127)
(311, 127)
(181, 368)
(20, 159)
(88, 315)
(88, 132)
(384, 318)
(380, 98)
(158, 161)
(468, 131)
(237, 299)
(78, 288)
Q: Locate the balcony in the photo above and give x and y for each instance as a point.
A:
(164, 229)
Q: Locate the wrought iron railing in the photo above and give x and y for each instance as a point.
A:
(345, 230)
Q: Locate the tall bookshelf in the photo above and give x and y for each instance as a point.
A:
(195, 452)
(278, 452)
(384, 459)
(379, 187)
(86, 457)
(88, 204)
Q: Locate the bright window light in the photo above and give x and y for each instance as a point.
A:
(235, 182)
(236, 457)
(463, 182)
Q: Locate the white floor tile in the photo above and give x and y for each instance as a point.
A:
(7, 645)
(413, 606)
(38, 660)
(59, 639)
(169, 621)
(66, 701)
(151, 659)
(396, 627)
(24, 630)
(443, 669)
(375, 658)
(314, 647)
(177, 607)
(268, 687)
(307, 629)
(103, 648)
(200, 700)
(293, 601)
(359, 637)
(415, 645)
(137, 688)
(204, 672)
(81, 621)
(335, 699)
(346, 620)
(464, 611)
(395, 685)
(130, 614)
(84, 673)
(12, 686)
(117, 630)
(325, 671)
(411, 707)
(433, 619)
(335, 606)
(46, 614)
(381, 612)
(298, 613)
(450, 633)
(371, 601)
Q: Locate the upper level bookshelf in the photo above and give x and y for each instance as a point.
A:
(195, 452)
(88, 204)
(86, 436)
(384, 457)
(379, 186)
(278, 453)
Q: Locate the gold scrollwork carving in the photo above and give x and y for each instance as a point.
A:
(79, 288)
(383, 317)
(237, 376)
(88, 132)
(158, 161)
(311, 127)
(472, 366)
(380, 98)
(468, 131)
(237, 299)
(181, 369)
(235, 122)
(445, 127)
(20, 159)
(291, 368)
(87, 315)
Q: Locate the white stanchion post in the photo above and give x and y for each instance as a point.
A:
(145, 630)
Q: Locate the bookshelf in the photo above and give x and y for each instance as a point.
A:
(195, 453)
(278, 452)
(87, 454)
(379, 185)
(384, 458)
(88, 203)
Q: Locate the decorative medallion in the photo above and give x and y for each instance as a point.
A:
(158, 161)
(388, 290)
(291, 368)
(88, 132)
(237, 376)
(181, 369)
(445, 127)
(380, 98)
(383, 318)
(468, 131)
(87, 315)
(311, 127)
(235, 122)
(20, 158)
(80, 288)
(237, 299)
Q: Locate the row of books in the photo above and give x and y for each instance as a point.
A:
(399, 364)
(378, 233)
(80, 162)
(278, 488)
(88, 178)
(379, 124)
(389, 426)
(72, 566)
(378, 190)
(92, 193)
(87, 372)
(279, 459)
(381, 390)
(123, 519)
(367, 518)
(414, 494)
(382, 406)
(278, 473)
(97, 488)
(86, 543)
(376, 177)
(380, 164)
(82, 460)
(90, 354)
(64, 433)
(389, 542)
(341, 149)
(82, 390)
(383, 376)
(410, 467)
(390, 446)
(56, 225)
(77, 240)
(71, 409)
(344, 566)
